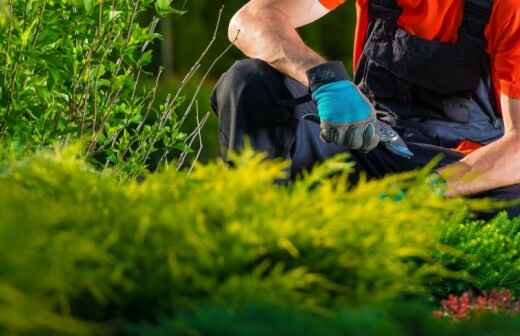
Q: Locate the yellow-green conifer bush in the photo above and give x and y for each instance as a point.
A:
(82, 245)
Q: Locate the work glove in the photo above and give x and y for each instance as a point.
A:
(347, 117)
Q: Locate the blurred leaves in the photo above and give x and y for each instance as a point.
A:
(81, 245)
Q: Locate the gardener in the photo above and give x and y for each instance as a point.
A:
(445, 74)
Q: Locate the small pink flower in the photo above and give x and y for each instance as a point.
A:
(467, 305)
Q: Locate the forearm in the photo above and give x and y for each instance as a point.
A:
(493, 166)
(267, 33)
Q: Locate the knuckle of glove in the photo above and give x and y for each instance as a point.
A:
(363, 138)
(354, 138)
(328, 133)
(370, 138)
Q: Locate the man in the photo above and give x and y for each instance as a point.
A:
(445, 74)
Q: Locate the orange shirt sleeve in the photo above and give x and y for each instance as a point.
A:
(361, 30)
(503, 36)
(332, 4)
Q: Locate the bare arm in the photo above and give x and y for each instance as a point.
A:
(266, 29)
(493, 166)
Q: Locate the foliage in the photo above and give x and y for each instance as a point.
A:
(210, 146)
(103, 247)
(487, 252)
(71, 69)
(397, 319)
(468, 305)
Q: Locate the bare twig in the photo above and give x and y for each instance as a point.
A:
(219, 57)
(200, 125)
(201, 144)
(170, 109)
(196, 66)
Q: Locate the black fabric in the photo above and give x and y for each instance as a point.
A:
(427, 63)
(326, 73)
(251, 85)
(443, 90)
(256, 96)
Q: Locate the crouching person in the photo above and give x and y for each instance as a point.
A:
(430, 78)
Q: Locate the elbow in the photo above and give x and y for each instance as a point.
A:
(246, 20)
(237, 24)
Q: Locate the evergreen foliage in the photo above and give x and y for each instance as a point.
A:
(395, 319)
(80, 246)
(487, 252)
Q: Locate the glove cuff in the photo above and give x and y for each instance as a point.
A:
(326, 73)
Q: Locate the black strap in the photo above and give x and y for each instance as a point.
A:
(476, 17)
(384, 9)
(326, 73)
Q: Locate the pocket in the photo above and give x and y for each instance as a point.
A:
(458, 109)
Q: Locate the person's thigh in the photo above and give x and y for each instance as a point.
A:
(248, 100)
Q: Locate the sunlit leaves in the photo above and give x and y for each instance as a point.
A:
(163, 7)
(74, 68)
(89, 4)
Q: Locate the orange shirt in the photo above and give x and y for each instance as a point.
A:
(441, 19)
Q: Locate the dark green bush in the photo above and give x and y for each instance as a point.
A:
(488, 253)
(81, 248)
(210, 146)
(396, 319)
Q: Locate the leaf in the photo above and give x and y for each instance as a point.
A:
(114, 14)
(163, 7)
(88, 4)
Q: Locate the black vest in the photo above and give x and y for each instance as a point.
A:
(435, 92)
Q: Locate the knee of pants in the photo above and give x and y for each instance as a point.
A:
(250, 92)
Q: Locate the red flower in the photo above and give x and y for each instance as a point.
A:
(467, 305)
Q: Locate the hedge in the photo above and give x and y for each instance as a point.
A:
(86, 252)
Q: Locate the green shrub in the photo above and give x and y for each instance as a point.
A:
(71, 69)
(94, 246)
(397, 319)
(489, 254)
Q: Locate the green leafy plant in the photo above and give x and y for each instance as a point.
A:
(487, 253)
(401, 318)
(72, 69)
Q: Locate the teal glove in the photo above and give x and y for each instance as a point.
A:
(347, 117)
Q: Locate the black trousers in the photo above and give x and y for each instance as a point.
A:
(256, 103)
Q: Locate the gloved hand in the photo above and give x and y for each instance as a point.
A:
(347, 117)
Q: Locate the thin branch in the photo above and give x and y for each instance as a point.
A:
(200, 125)
(199, 87)
(201, 144)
